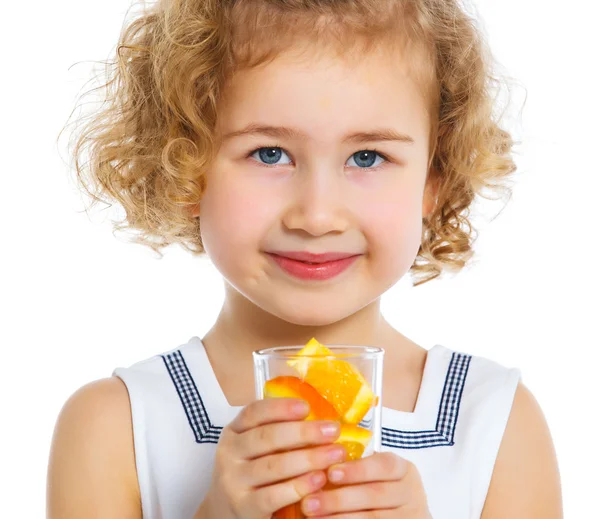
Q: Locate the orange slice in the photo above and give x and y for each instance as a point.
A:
(355, 439)
(293, 387)
(338, 381)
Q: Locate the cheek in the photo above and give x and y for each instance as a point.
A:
(394, 227)
(233, 217)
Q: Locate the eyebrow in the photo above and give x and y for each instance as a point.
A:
(282, 132)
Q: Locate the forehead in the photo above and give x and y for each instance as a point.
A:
(326, 96)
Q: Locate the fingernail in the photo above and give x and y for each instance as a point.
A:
(312, 504)
(336, 454)
(336, 475)
(301, 409)
(330, 429)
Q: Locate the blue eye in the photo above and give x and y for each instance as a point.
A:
(269, 156)
(364, 159)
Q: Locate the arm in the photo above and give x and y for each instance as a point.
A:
(525, 483)
(91, 471)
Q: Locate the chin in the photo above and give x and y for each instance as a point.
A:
(312, 315)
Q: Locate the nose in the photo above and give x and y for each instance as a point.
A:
(318, 204)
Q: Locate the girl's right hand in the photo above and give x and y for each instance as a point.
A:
(268, 457)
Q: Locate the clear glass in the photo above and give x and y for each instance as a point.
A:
(272, 363)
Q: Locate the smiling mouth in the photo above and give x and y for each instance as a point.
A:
(314, 258)
(313, 267)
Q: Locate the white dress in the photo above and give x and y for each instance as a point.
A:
(453, 435)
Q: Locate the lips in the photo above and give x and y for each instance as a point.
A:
(311, 266)
(310, 257)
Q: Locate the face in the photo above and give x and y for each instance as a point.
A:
(333, 182)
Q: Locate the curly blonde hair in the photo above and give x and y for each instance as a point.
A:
(153, 139)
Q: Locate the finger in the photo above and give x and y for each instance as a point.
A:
(277, 467)
(382, 466)
(388, 513)
(354, 498)
(270, 438)
(269, 410)
(267, 500)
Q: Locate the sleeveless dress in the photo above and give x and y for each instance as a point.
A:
(452, 437)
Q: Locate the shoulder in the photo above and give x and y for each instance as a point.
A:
(158, 365)
(526, 468)
(483, 388)
(152, 380)
(91, 470)
(486, 373)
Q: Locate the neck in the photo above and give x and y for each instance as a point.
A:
(243, 327)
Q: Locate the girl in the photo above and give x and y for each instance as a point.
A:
(317, 151)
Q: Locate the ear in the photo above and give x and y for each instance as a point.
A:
(195, 210)
(430, 195)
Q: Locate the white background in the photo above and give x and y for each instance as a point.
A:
(77, 302)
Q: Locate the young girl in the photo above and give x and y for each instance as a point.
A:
(317, 151)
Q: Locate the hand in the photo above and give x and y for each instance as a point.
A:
(252, 477)
(381, 486)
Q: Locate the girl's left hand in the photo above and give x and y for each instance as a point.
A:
(381, 486)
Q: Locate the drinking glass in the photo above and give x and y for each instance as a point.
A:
(282, 372)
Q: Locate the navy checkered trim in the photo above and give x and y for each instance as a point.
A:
(204, 430)
(442, 435)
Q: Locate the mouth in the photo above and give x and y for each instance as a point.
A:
(311, 266)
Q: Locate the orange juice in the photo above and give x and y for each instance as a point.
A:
(335, 390)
